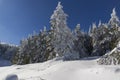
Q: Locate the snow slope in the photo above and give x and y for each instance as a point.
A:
(86, 69)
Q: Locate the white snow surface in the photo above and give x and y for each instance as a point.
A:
(85, 69)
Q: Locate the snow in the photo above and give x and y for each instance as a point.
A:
(11, 77)
(86, 69)
(113, 15)
(62, 37)
(114, 18)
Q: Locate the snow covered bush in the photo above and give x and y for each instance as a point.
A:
(112, 57)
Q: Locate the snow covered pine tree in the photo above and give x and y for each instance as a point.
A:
(113, 57)
(82, 42)
(61, 42)
(62, 35)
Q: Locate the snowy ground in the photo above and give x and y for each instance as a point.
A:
(60, 70)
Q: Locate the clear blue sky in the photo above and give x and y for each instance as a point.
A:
(18, 18)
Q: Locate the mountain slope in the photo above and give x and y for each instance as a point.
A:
(4, 62)
(86, 69)
(7, 52)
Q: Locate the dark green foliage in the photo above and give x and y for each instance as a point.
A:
(35, 49)
(104, 39)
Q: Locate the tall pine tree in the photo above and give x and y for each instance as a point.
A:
(62, 35)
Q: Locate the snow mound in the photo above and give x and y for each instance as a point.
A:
(11, 77)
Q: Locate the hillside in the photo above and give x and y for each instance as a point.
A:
(7, 51)
(86, 69)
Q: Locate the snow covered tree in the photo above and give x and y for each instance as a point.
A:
(92, 29)
(106, 36)
(113, 38)
(92, 32)
(112, 57)
(62, 35)
(114, 25)
(98, 38)
(82, 42)
(114, 20)
(36, 48)
(99, 24)
(77, 30)
(60, 41)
